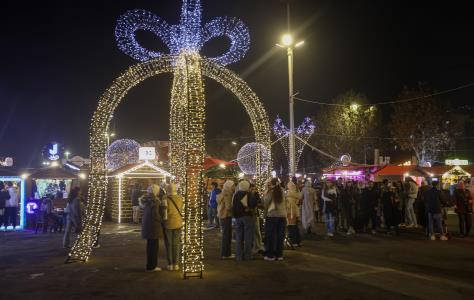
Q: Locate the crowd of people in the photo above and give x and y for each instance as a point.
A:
(346, 207)
(9, 204)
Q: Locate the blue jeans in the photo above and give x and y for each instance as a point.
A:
(226, 240)
(274, 236)
(173, 237)
(245, 227)
(212, 216)
(329, 222)
(244, 231)
(434, 218)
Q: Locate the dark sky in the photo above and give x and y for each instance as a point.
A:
(57, 57)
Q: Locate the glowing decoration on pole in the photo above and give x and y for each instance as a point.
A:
(303, 132)
(121, 153)
(187, 113)
(247, 158)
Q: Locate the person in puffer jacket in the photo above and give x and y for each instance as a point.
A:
(293, 213)
(243, 206)
(224, 212)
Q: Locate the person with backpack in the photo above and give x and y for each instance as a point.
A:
(224, 212)
(433, 205)
(173, 225)
(243, 206)
(275, 221)
(4, 196)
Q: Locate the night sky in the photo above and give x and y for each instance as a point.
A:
(57, 58)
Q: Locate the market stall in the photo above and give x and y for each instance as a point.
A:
(361, 173)
(119, 206)
(18, 181)
(395, 173)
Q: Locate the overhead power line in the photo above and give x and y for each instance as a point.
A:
(390, 102)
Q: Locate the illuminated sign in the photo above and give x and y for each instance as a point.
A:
(456, 162)
(53, 151)
(146, 153)
(30, 207)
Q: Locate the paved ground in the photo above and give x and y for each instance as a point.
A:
(361, 267)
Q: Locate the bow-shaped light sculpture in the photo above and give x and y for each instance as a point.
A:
(187, 112)
(187, 36)
(303, 133)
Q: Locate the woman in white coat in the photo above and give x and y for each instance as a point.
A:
(308, 207)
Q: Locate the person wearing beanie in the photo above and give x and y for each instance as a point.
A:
(243, 206)
(173, 225)
(224, 212)
(293, 213)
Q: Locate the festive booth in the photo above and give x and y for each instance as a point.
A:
(217, 170)
(19, 183)
(399, 173)
(455, 174)
(119, 208)
(361, 173)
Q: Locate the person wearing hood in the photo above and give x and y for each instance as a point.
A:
(173, 225)
(309, 206)
(152, 219)
(275, 221)
(224, 212)
(293, 213)
(243, 206)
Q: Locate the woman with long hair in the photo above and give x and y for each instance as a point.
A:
(275, 217)
(74, 217)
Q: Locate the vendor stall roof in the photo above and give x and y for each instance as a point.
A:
(349, 168)
(53, 173)
(210, 162)
(143, 169)
(394, 170)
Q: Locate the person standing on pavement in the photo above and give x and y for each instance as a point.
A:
(329, 196)
(243, 206)
(309, 207)
(11, 205)
(173, 225)
(432, 199)
(371, 203)
(212, 206)
(463, 201)
(258, 247)
(275, 221)
(412, 194)
(74, 216)
(152, 220)
(4, 196)
(348, 201)
(224, 212)
(293, 213)
(136, 194)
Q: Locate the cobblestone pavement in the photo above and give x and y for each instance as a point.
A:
(357, 267)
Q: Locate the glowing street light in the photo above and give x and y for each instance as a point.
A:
(354, 106)
(288, 43)
(234, 143)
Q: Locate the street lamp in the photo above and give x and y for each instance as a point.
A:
(287, 41)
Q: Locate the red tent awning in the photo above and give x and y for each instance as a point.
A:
(210, 162)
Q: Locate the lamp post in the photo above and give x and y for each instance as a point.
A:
(288, 43)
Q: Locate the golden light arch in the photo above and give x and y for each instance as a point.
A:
(98, 145)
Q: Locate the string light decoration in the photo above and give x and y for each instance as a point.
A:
(247, 158)
(187, 115)
(121, 153)
(303, 132)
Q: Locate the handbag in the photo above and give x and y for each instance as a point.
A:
(176, 206)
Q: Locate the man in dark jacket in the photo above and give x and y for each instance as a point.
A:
(243, 206)
(371, 204)
(152, 225)
(432, 203)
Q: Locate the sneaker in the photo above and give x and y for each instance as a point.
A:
(232, 256)
(330, 234)
(96, 246)
(268, 258)
(176, 267)
(157, 269)
(433, 237)
(295, 245)
(443, 238)
(170, 268)
(374, 231)
(279, 258)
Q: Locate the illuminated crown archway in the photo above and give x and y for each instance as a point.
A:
(187, 113)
